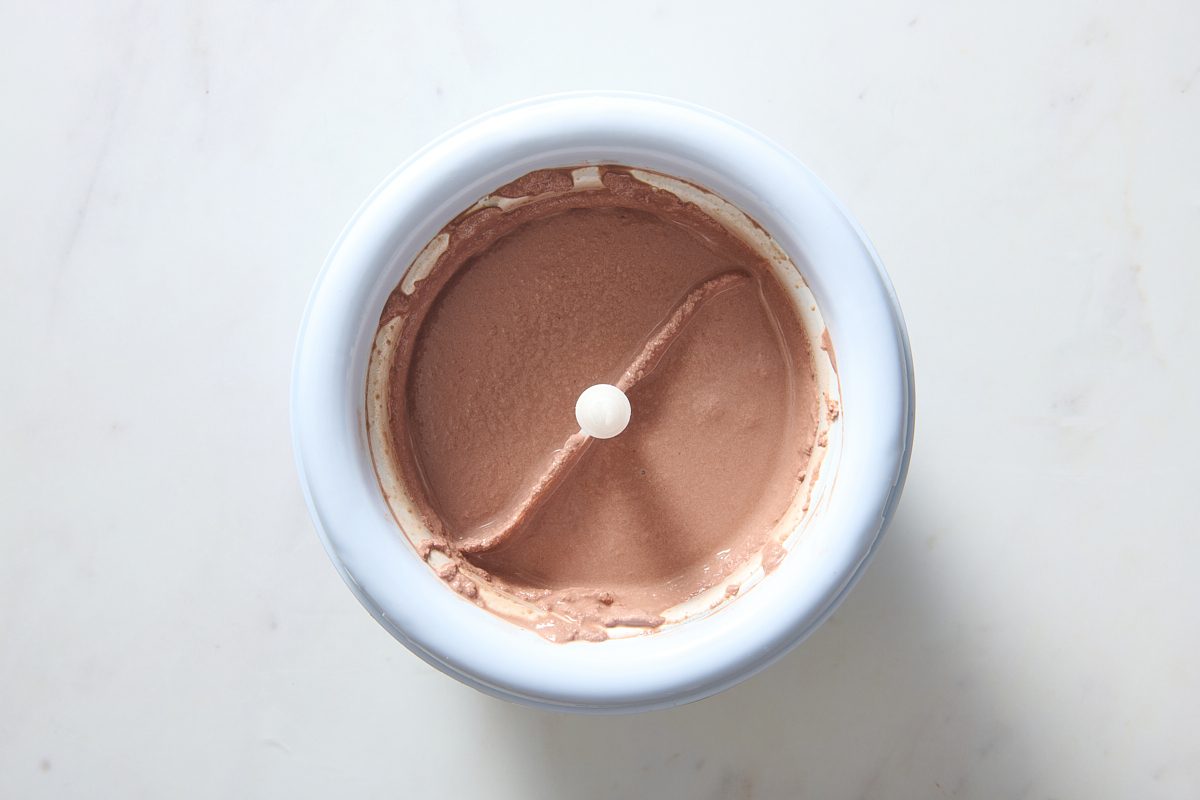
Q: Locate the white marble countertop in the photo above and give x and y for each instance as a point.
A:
(172, 177)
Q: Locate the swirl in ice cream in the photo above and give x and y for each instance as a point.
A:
(564, 279)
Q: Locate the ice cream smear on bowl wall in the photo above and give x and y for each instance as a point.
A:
(600, 402)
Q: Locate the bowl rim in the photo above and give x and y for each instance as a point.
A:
(373, 556)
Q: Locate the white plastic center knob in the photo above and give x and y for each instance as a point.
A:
(602, 411)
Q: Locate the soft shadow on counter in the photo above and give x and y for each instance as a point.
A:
(882, 701)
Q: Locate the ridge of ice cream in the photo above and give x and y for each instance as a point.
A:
(558, 281)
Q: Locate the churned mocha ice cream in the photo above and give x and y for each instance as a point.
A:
(564, 279)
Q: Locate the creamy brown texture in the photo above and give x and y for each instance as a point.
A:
(533, 301)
